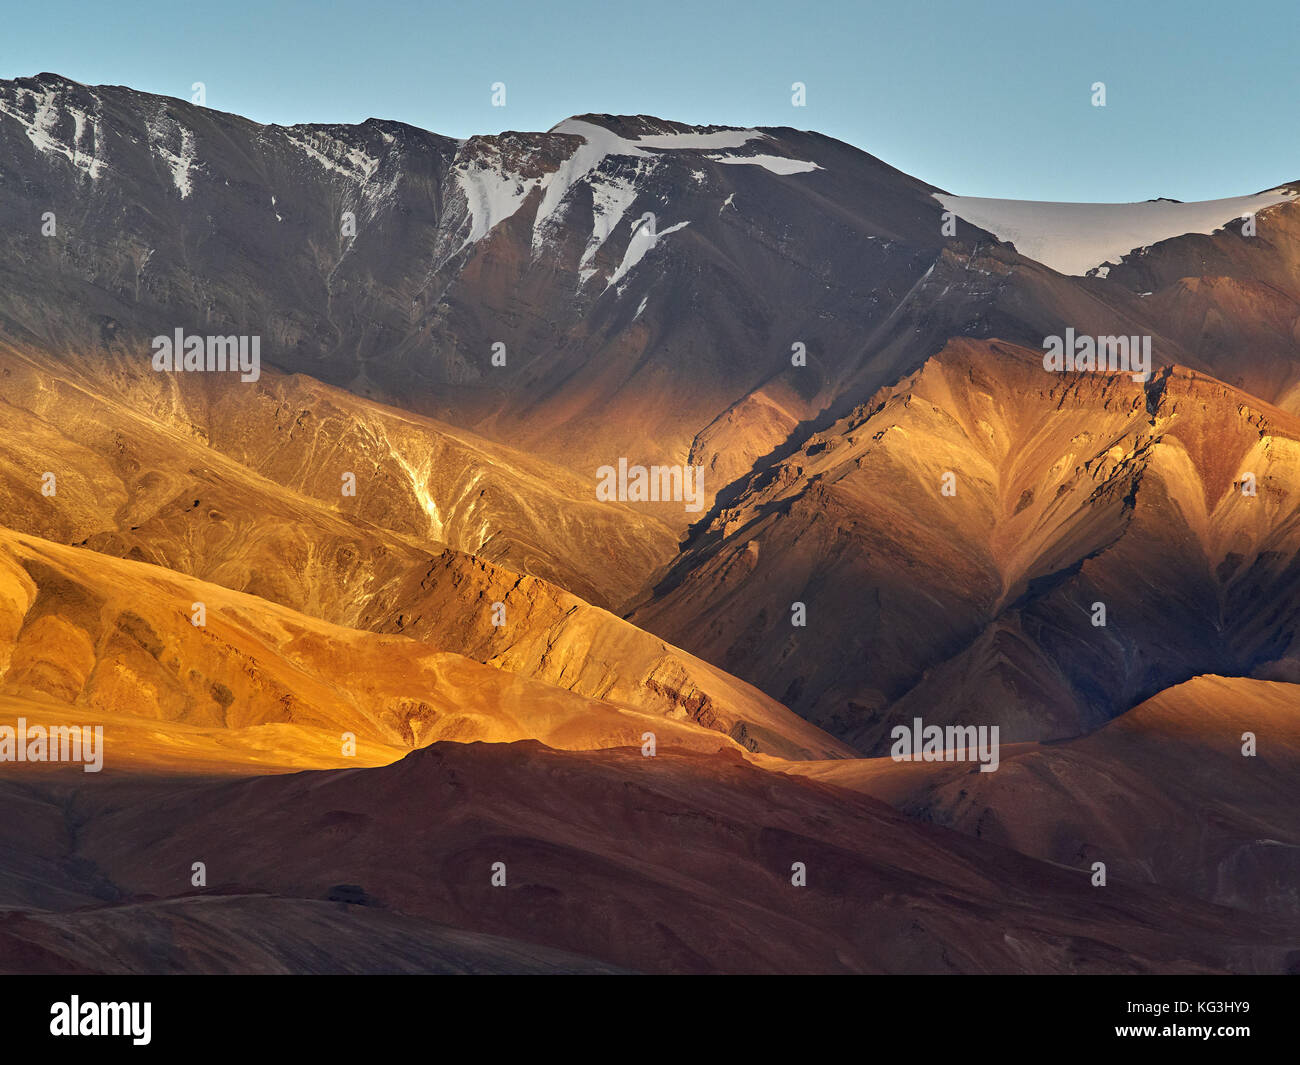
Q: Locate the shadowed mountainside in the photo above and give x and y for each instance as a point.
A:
(679, 863)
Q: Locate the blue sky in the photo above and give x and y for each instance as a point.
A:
(980, 98)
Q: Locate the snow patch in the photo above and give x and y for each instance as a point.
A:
(642, 241)
(182, 164)
(775, 163)
(163, 130)
(492, 196)
(673, 142)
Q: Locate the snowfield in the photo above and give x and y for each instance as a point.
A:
(1074, 238)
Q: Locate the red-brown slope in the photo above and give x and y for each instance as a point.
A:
(680, 862)
(1162, 794)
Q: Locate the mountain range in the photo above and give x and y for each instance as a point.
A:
(394, 534)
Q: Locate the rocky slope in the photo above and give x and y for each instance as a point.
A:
(977, 607)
